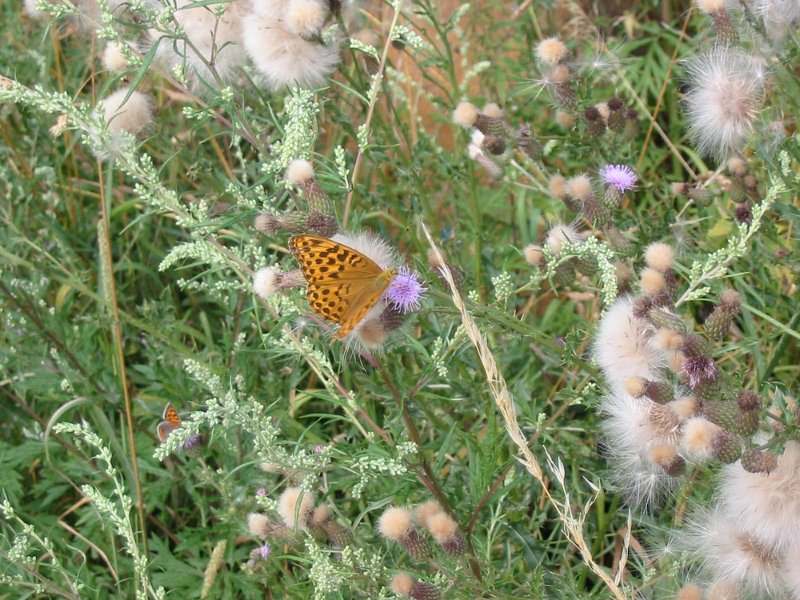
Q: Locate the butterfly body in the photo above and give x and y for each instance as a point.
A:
(171, 420)
(343, 283)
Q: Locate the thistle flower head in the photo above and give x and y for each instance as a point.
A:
(726, 89)
(699, 370)
(619, 177)
(405, 291)
(263, 551)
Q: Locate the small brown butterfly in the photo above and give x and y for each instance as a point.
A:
(171, 421)
(343, 284)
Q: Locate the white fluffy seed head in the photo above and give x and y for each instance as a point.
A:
(426, 510)
(465, 114)
(623, 347)
(659, 256)
(730, 554)
(579, 187)
(395, 523)
(766, 507)
(557, 186)
(551, 51)
(299, 171)
(305, 17)
(113, 60)
(559, 235)
(295, 507)
(214, 38)
(265, 282)
(283, 58)
(132, 115)
(698, 437)
(651, 281)
(565, 119)
(402, 584)
(724, 99)
(257, 524)
(710, 7)
(492, 109)
(534, 255)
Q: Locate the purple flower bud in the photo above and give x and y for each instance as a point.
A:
(261, 492)
(318, 448)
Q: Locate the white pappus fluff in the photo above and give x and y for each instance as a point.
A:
(724, 99)
(218, 40)
(278, 39)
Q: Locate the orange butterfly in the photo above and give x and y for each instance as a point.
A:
(343, 284)
(171, 422)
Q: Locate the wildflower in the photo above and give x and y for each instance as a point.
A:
(261, 492)
(551, 51)
(295, 506)
(263, 551)
(193, 444)
(726, 89)
(268, 281)
(405, 291)
(689, 592)
(618, 180)
(132, 115)
(404, 585)
(445, 531)
(395, 524)
(210, 39)
(743, 213)
(319, 448)
(534, 255)
(113, 59)
(732, 555)
(262, 526)
(623, 347)
(281, 38)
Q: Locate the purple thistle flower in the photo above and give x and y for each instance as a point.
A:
(699, 369)
(193, 444)
(405, 291)
(261, 491)
(318, 449)
(619, 177)
(264, 551)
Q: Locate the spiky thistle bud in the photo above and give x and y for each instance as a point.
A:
(726, 447)
(719, 322)
(438, 268)
(721, 412)
(758, 461)
(663, 318)
(631, 129)
(747, 421)
(723, 25)
(395, 525)
(658, 391)
(700, 195)
(616, 114)
(594, 121)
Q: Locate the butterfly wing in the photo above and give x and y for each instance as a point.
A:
(164, 429)
(343, 284)
(171, 421)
